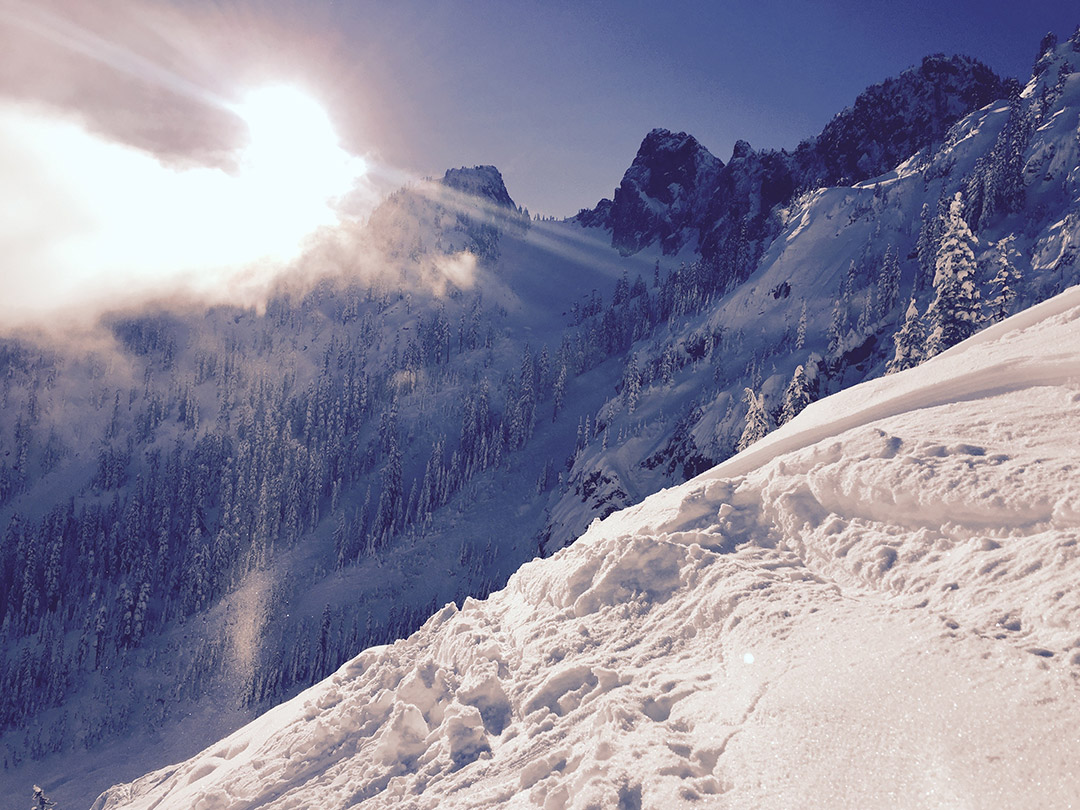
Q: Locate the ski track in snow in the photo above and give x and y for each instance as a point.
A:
(873, 607)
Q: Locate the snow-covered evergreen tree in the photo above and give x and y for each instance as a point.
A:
(558, 394)
(757, 420)
(392, 497)
(800, 331)
(839, 324)
(953, 315)
(909, 342)
(526, 410)
(865, 325)
(1004, 284)
(631, 385)
(926, 248)
(888, 283)
(796, 397)
(996, 186)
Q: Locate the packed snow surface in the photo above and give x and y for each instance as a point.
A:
(875, 606)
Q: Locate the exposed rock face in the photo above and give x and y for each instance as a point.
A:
(664, 194)
(676, 191)
(893, 120)
(480, 181)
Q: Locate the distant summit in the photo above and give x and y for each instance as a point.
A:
(676, 190)
(893, 120)
(664, 193)
(480, 181)
(467, 209)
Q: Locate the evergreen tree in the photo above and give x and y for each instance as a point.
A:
(909, 342)
(865, 325)
(839, 326)
(392, 497)
(953, 315)
(888, 283)
(526, 404)
(796, 397)
(800, 331)
(631, 385)
(622, 290)
(997, 183)
(1004, 284)
(852, 276)
(669, 364)
(927, 245)
(558, 394)
(757, 420)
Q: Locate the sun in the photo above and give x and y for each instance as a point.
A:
(285, 121)
(96, 218)
(293, 146)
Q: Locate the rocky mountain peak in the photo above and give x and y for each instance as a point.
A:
(479, 181)
(893, 120)
(741, 150)
(665, 190)
(675, 191)
(667, 163)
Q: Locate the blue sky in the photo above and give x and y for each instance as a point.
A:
(558, 95)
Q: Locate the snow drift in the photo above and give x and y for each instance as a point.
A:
(873, 607)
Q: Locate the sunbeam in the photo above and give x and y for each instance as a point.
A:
(40, 21)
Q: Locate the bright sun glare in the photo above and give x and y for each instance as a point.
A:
(293, 144)
(285, 119)
(109, 218)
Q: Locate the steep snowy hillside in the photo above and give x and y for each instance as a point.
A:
(874, 607)
(203, 512)
(824, 306)
(206, 511)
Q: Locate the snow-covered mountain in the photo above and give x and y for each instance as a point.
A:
(204, 512)
(872, 607)
(467, 210)
(676, 192)
(832, 285)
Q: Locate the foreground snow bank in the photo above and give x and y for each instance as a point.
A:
(874, 607)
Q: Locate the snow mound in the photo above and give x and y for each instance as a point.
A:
(875, 606)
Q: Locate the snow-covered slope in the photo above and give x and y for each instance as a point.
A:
(141, 643)
(838, 271)
(873, 607)
(225, 505)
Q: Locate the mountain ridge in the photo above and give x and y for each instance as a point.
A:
(887, 123)
(250, 496)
